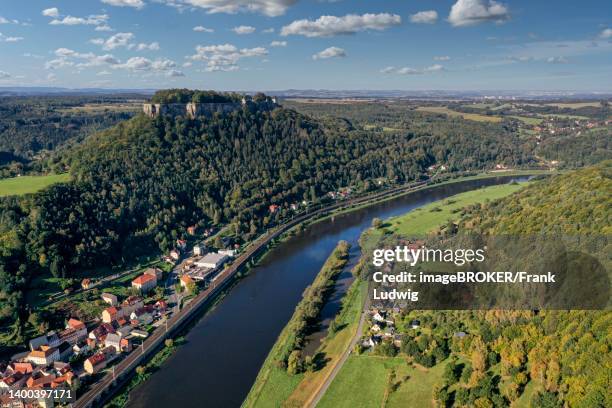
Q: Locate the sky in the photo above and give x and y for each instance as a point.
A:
(308, 44)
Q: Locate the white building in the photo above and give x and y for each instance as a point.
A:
(212, 260)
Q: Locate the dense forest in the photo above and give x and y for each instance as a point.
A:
(30, 125)
(557, 358)
(137, 186)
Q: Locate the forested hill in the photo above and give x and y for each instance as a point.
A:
(572, 203)
(538, 358)
(138, 185)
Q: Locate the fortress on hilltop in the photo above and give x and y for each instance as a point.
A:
(207, 108)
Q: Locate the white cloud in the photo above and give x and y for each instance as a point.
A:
(4, 20)
(270, 8)
(224, 57)
(30, 55)
(424, 17)
(326, 26)
(94, 19)
(244, 29)
(331, 52)
(4, 75)
(103, 73)
(202, 29)
(51, 77)
(51, 12)
(125, 3)
(142, 64)
(605, 34)
(7, 21)
(187, 64)
(557, 60)
(9, 39)
(71, 58)
(268, 30)
(114, 41)
(104, 27)
(154, 46)
(442, 58)
(173, 73)
(471, 12)
(412, 71)
(278, 44)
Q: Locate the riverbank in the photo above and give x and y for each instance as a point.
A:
(274, 387)
(217, 346)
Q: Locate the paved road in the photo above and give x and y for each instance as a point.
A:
(314, 400)
(154, 341)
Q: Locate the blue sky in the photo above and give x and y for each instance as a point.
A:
(308, 44)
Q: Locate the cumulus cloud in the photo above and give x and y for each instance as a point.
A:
(9, 39)
(272, 8)
(278, 44)
(412, 71)
(67, 57)
(243, 29)
(442, 58)
(331, 52)
(125, 3)
(327, 26)
(470, 12)
(51, 12)
(4, 75)
(94, 19)
(114, 41)
(154, 46)
(605, 34)
(224, 57)
(202, 29)
(424, 17)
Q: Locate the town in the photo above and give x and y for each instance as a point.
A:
(82, 352)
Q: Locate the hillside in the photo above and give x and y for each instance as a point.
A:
(518, 358)
(136, 187)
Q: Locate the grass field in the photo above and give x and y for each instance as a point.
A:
(419, 222)
(29, 184)
(576, 105)
(528, 120)
(466, 116)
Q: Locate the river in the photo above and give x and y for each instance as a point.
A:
(225, 349)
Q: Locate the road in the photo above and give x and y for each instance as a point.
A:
(155, 340)
(314, 400)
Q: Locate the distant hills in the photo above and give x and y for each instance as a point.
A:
(327, 93)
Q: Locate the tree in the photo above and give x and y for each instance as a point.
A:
(169, 342)
(140, 370)
(377, 223)
(294, 363)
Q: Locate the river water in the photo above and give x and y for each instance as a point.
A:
(225, 349)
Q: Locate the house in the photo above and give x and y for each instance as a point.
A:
(110, 299)
(371, 341)
(65, 351)
(191, 230)
(38, 341)
(80, 348)
(211, 261)
(86, 283)
(379, 316)
(99, 360)
(131, 303)
(12, 381)
(23, 368)
(112, 313)
(186, 281)
(99, 333)
(113, 340)
(181, 244)
(273, 208)
(199, 250)
(40, 380)
(72, 335)
(144, 282)
(43, 356)
(154, 272)
(174, 254)
(143, 316)
(161, 306)
(375, 328)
